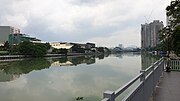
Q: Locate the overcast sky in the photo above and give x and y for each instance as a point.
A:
(105, 22)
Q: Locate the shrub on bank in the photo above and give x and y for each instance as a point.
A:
(33, 49)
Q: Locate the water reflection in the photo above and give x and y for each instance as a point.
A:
(13, 69)
(41, 80)
(72, 61)
(147, 60)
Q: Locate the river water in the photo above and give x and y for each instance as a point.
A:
(68, 78)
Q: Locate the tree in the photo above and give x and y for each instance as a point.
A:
(100, 49)
(59, 51)
(6, 45)
(169, 35)
(33, 49)
(77, 48)
(166, 37)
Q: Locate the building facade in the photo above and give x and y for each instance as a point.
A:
(15, 39)
(150, 34)
(5, 31)
(61, 45)
(90, 45)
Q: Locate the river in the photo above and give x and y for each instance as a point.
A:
(83, 78)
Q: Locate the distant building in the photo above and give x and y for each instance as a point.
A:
(121, 46)
(90, 45)
(150, 34)
(117, 49)
(5, 31)
(145, 36)
(60, 45)
(15, 39)
(83, 48)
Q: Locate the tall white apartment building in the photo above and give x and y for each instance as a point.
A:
(150, 34)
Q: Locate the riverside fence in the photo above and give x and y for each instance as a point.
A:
(149, 78)
(174, 65)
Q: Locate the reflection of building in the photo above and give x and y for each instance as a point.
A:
(149, 34)
(5, 31)
(71, 61)
(57, 63)
(15, 39)
(147, 60)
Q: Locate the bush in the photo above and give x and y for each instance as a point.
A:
(33, 49)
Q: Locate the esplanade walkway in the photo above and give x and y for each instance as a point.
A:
(168, 88)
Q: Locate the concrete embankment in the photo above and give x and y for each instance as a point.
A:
(15, 57)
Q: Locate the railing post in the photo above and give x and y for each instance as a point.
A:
(153, 74)
(142, 78)
(110, 95)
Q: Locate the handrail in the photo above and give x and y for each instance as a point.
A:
(154, 64)
(123, 88)
(111, 95)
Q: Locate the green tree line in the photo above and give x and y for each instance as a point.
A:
(170, 35)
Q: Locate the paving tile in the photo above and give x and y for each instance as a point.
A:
(168, 88)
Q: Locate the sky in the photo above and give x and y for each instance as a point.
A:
(104, 22)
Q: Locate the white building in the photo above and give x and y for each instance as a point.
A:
(145, 35)
(5, 31)
(150, 34)
(61, 45)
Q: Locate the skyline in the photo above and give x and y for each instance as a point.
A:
(104, 22)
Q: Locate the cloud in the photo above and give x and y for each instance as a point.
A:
(82, 20)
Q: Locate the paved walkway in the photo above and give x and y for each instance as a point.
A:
(168, 88)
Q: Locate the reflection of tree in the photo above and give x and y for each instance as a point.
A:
(83, 59)
(118, 55)
(24, 66)
(101, 56)
(107, 54)
(7, 77)
(90, 60)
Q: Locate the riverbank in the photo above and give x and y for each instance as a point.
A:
(17, 57)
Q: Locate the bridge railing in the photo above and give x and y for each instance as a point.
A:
(143, 91)
(174, 65)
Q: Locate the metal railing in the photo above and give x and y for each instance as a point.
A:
(143, 91)
(174, 65)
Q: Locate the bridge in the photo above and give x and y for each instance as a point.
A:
(152, 84)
